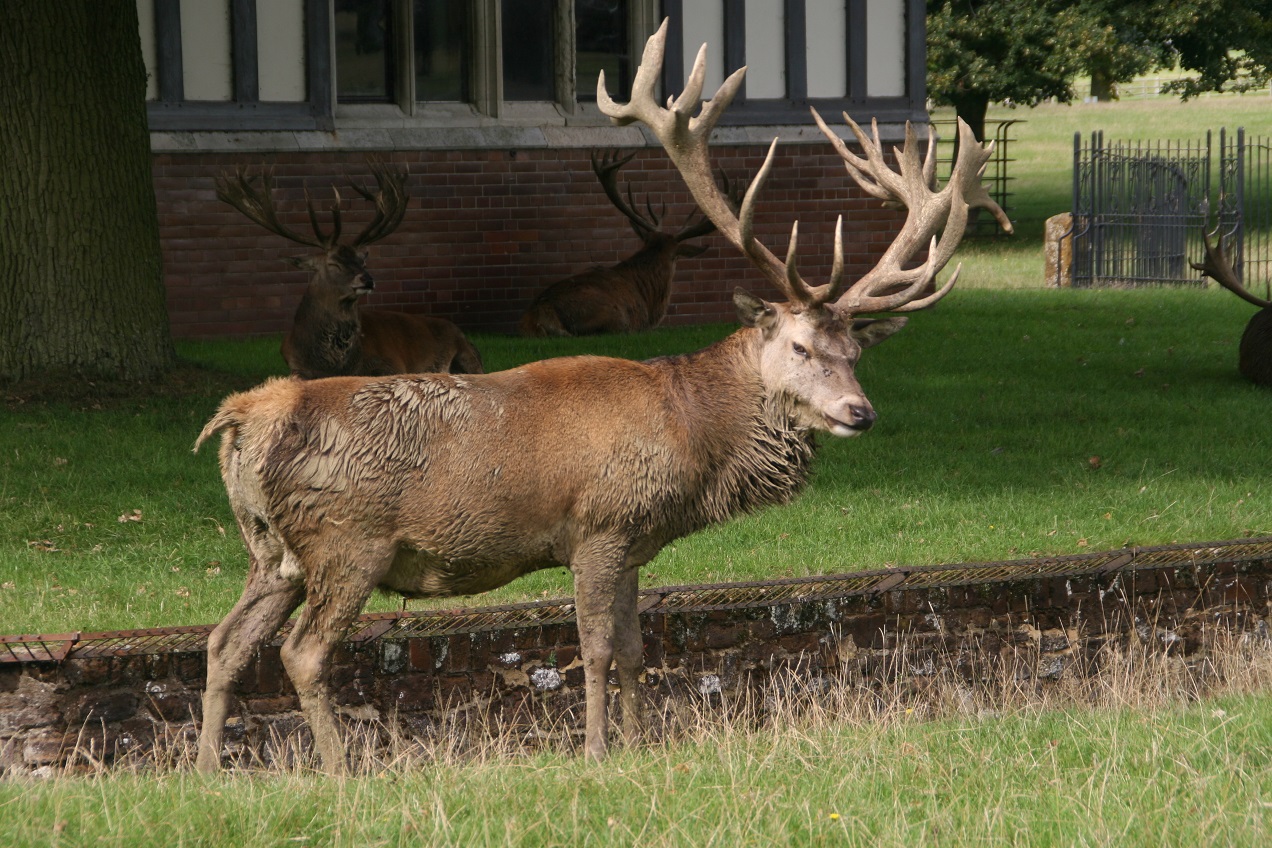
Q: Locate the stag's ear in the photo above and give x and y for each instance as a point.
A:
(752, 311)
(303, 262)
(870, 331)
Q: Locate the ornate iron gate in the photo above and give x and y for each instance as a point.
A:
(1245, 207)
(1139, 209)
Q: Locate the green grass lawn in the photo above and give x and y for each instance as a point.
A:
(992, 407)
(1180, 775)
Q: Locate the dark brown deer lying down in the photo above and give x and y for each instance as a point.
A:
(449, 485)
(1254, 354)
(331, 335)
(627, 297)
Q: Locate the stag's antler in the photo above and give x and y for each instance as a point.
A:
(606, 168)
(889, 287)
(1217, 267)
(257, 204)
(390, 201)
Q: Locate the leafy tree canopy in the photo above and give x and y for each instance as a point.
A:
(1026, 51)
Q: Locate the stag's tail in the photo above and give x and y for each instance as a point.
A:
(237, 410)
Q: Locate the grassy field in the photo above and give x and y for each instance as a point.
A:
(1198, 774)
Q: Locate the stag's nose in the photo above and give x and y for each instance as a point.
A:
(365, 282)
(860, 417)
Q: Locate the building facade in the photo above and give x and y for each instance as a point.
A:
(491, 105)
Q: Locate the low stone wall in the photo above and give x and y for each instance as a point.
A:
(88, 701)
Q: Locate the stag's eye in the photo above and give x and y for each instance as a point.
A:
(799, 349)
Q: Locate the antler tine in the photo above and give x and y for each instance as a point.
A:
(606, 170)
(890, 286)
(390, 200)
(1217, 267)
(257, 206)
(685, 139)
(325, 241)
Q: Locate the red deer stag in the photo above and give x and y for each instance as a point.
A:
(441, 485)
(626, 297)
(1254, 354)
(330, 334)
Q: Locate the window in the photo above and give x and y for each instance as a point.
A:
(602, 44)
(528, 49)
(442, 54)
(483, 52)
(364, 50)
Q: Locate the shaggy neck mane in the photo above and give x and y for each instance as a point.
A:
(748, 451)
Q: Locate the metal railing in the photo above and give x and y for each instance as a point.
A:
(1140, 209)
(996, 176)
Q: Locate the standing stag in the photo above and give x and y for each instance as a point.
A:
(629, 296)
(441, 485)
(1254, 355)
(331, 335)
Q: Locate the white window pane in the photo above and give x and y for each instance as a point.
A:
(205, 50)
(280, 49)
(885, 48)
(765, 50)
(703, 23)
(826, 33)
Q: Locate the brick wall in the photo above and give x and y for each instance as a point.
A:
(1022, 631)
(485, 231)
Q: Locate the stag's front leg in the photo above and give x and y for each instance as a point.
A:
(629, 653)
(598, 570)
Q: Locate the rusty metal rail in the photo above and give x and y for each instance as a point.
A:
(663, 599)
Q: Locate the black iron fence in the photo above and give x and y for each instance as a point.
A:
(1245, 207)
(1140, 208)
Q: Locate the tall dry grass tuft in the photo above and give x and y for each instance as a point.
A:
(1146, 670)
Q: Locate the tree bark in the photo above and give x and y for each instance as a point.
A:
(81, 282)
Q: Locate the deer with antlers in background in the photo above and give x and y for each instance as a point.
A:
(1254, 354)
(439, 485)
(331, 334)
(627, 297)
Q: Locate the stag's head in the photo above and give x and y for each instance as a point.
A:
(337, 269)
(810, 343)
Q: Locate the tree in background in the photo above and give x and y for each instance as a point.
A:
(1000, 51)
(1026, 51)
(81, 287)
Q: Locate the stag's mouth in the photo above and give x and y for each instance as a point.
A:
(842, 428)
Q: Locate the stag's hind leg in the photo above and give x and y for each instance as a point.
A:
(336, 589)
(267, 599)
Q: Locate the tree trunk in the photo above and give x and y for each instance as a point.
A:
(972, 108)
(1103, 86)
(81, 284)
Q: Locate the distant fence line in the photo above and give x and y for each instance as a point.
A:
(1140, 208)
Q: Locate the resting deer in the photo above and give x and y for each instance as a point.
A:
(626, 297)
(1254, 355)
(331, 335)
(440, 485)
